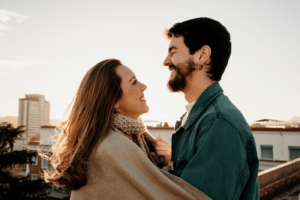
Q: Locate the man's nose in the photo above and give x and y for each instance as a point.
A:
(167, 61)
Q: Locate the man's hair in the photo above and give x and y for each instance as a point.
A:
(205, 31)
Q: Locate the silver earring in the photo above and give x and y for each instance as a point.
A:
(200, 68)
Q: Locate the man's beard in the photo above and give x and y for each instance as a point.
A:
(183, 70)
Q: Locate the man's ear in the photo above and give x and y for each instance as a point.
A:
(203, 55)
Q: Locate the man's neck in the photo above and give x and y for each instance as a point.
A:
(195, 87)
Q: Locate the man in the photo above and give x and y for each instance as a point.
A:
(213, 147)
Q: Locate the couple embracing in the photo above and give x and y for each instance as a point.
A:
(106, 152)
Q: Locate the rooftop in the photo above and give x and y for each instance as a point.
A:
(48, 126)
(267, 120)
(280, 182)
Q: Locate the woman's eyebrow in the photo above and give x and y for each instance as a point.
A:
(132, 78)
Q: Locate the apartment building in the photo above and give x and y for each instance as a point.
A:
(274, 146)
(35, 170)
(34, 112)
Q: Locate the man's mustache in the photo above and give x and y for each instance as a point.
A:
(172, 66)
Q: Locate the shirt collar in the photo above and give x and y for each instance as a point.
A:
(202, 102)
(189, 107)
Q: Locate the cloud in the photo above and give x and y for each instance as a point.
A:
(3, 27)
(7, 16)
(16, 63)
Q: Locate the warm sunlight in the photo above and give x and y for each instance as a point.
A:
(49, 54)
(193, 100)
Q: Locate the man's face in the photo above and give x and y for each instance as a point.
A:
(180, 63)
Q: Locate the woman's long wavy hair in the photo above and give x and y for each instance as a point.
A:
(88, 124)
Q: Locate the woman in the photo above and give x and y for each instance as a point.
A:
(104, 152)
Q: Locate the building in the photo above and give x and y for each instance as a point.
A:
(153, 123)
(34, 112)
(35, 170)
(268, 123)
(166, 131)
(274, 146)
(272, 123)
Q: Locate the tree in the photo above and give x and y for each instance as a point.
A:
(13, 188)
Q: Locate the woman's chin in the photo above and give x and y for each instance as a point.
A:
(145, 110)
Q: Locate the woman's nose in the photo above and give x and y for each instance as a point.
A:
(143, 86)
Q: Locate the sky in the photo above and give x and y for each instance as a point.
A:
(47, 46)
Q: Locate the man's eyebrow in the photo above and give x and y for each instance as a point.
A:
(171, 48)
(132, 78)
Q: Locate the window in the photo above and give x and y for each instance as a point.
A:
(266, 151)
(294, 152)
(33, 177)
(35, 160)
(44, 163)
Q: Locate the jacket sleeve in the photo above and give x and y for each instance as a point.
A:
(219, 165)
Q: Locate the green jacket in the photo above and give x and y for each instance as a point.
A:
(215, 150)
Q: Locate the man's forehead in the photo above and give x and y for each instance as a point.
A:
(176, 41)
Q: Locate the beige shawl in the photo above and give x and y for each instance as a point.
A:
(119, 169)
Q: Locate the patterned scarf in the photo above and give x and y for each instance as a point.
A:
(137, 129)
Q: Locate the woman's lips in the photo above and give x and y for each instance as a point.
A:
(143, 98)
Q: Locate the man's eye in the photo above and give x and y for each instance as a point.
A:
(134, 82)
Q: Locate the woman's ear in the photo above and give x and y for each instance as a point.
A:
(117, 105)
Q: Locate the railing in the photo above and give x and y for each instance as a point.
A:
(282, 176)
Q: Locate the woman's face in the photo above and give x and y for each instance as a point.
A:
(132, 102)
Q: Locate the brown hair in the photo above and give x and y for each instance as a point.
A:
(88, 124)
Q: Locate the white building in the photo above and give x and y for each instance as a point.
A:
(274, 146)
(34, 112)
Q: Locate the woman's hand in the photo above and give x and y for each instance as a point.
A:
(162, 148)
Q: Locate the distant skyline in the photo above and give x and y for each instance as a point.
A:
(46, 47)
(14, 121)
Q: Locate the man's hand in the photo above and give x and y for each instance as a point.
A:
(162, 148)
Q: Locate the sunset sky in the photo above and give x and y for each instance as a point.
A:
(47, 46)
